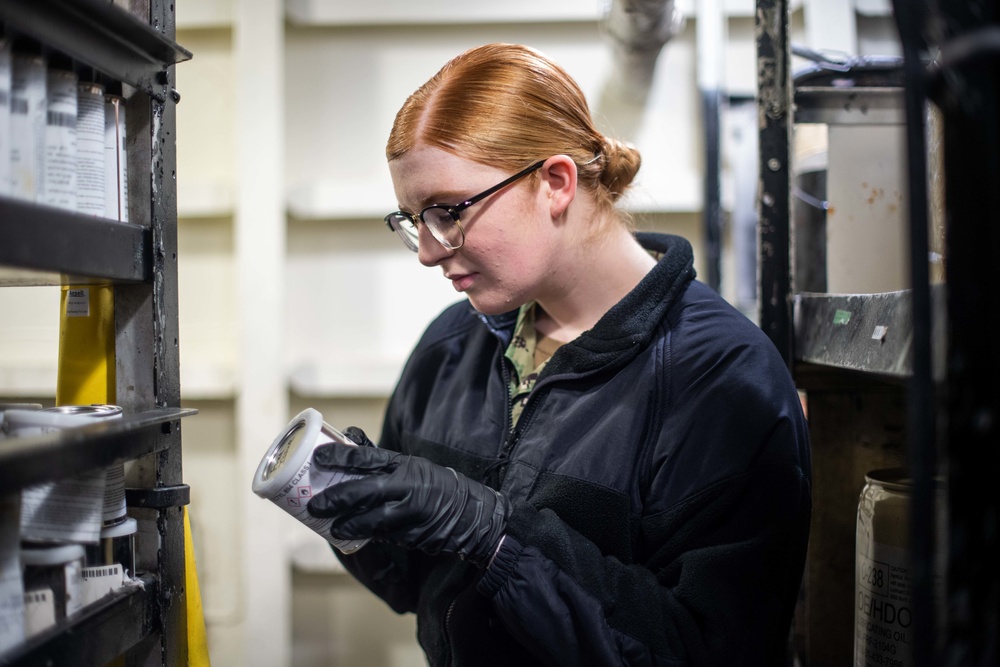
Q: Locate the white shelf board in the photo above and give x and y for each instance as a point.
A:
(205, 200)
(208, 382)
(28, 381)
(341, 200)
(374, 379)
(204, 14)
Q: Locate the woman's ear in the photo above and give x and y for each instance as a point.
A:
(558, 179)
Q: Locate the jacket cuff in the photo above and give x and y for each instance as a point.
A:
(501, 567)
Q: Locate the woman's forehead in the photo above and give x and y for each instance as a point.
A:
(426, 174)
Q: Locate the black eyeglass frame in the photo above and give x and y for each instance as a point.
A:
(453, 211)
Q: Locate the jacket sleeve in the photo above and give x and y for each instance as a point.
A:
(716, 584)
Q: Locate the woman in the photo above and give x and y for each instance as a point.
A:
(594, 459)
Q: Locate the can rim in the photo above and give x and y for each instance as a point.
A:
(273, 459)
(897, 479)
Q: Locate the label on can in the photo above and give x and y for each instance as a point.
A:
(59, 188)
(90, 176)
(883, 610)
(287, 477)
(27, 127)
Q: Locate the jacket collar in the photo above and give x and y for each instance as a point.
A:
(630, 323)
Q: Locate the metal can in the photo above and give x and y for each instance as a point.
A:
(90, 183)
(883, 617)
(288, 479)
(68, 510)
(113, 510)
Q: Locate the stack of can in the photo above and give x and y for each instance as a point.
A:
(71, 540)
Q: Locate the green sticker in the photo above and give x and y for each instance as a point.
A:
(842, 317)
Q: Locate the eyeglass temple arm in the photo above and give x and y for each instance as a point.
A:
(499, 186)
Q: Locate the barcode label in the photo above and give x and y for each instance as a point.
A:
(60, 119)
(98, 572)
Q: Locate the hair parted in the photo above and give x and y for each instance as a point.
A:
(507, 105)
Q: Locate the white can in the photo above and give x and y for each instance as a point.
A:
(883, 610)
(113, 510)
(27, 126)
(66, 510)
(90, 177)
(287, 478)
(59, 188)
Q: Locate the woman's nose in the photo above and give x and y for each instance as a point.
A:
(429, 249)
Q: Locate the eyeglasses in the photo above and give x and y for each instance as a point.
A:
(442, 220)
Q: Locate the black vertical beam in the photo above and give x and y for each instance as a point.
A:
(774, 114)
(169, 469)
(968, 92)
(711, 104)
(922, 441)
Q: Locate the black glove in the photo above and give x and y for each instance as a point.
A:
(409, 501)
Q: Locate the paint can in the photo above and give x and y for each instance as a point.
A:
(287, 478)
(90, 170)
(27, 126)
(74, 509)
(113, 511)
(59, 188)
(883, 611)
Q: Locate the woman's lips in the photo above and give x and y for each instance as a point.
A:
(461, 281)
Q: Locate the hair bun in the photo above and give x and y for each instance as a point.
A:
(620, 162)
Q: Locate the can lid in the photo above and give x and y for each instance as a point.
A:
(127, 527)
(896, 479)
(54, 555)
(92, 410)
(289, 451)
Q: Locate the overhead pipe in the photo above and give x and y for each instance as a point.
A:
(638, 30)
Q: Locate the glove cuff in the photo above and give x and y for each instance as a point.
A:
(493, 536)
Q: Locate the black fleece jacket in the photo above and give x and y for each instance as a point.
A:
(659, 480)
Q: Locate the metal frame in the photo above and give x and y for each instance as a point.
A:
(945, 367)
(147, 624)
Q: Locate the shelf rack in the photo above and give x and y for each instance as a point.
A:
(883, 370)
(145, 621)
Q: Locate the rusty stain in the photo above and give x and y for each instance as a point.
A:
(830, 210)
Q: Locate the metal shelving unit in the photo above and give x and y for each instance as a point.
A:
(883, 370)
(146, 620)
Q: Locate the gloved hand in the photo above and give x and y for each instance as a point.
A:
(409, 501)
